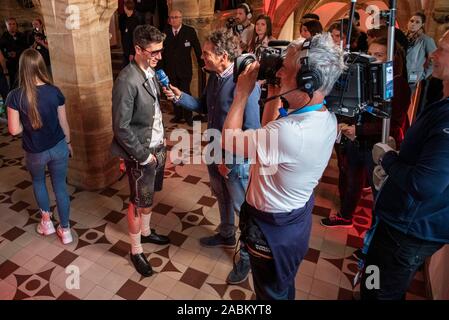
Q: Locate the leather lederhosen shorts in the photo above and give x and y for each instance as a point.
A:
(145, 180)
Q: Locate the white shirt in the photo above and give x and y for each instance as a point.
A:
(287, 169)
(157, 134)
(176, 31)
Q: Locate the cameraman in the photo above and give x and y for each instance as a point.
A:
(244, 28)
(277, 213)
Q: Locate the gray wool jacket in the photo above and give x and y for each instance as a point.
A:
(133, 112)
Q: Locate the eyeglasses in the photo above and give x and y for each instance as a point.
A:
(153, 53)
(175, 17)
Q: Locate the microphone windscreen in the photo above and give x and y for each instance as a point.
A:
(162, 78)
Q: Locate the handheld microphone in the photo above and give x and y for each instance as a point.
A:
(165, 82)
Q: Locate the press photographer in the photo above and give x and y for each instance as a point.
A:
(276, 217)
(241, 25)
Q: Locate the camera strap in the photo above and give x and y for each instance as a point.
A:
(311, 108)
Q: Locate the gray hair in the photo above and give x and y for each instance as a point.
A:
(224, 41)
(324, 57)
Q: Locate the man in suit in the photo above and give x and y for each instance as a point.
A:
(139, 138)
(12, 44)
(177, 61)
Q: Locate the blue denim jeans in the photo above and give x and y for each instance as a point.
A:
(56, 159)
(398, 256)
(230, 194)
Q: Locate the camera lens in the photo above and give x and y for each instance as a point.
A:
(241, 62)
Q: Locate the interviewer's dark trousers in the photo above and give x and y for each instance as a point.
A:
(182, 84)
(355, 164)
(398, 256)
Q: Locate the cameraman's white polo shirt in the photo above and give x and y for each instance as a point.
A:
(287, 169)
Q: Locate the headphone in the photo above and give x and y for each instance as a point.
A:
(248, 11)
(307, 79)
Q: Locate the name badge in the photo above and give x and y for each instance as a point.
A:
(187, 44)
(413, 77)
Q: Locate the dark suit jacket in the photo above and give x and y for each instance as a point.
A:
(133, 109)
(176, 59)
(126, 27)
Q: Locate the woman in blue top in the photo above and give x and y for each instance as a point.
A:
(36, 109)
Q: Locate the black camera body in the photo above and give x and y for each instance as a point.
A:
(231, 23)
(271, 59)
(365, 85)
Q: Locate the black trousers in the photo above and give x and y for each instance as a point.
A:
(182, 84)
(397, 256)
(355, 165)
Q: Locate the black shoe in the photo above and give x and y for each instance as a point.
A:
(141, 264)
(155, 238)
(176, 120)
(198, 117)
(218, 241)
(239, 272)
(336, 221)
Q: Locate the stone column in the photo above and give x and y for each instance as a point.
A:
(78, 40)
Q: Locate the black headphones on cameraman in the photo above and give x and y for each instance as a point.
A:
(308, 80)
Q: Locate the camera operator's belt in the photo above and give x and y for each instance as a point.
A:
(311, 108)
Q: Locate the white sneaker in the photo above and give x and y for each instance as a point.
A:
(65, 235)
(45, 227)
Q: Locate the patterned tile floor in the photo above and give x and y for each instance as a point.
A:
(37, 267)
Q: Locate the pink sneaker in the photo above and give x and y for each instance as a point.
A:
(65, 235)
(45, 226)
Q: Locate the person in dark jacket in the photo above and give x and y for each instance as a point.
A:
(12, 44)
(413, 203)
(38, 40)
(177, 60)
(128, 21)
